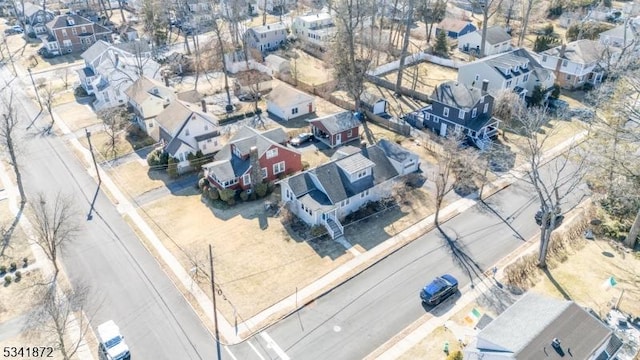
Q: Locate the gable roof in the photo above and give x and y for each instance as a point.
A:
(579, 51)
(61, 21)
(175, 115)
(31, 9)
(95, 51)
(142, 89)
(332, 184)
(457, 95)
(284, 96)
(454, 25)
(619, 32)
(314, 17)
(338, 122)
(527, 327)
(496, 35)
(268, 28)
(394, 151)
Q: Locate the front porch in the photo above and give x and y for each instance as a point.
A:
(332, 224)
(482, 137)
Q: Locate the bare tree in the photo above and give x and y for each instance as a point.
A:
(54, 225)
(221, 49)
(432, 12)
(527, 6)
(453, 163)
(115, 121)
(552, 180)
(488, 8)
(405, 45)
(47, 95)
(8, 137)
(64, 76)
(351, 61)
(59, 317)
(506, 106)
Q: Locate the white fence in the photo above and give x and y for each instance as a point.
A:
(413, 59)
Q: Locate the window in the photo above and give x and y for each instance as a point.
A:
(271, 153)
(544, 58)
(74, 31)
(294, 111)
(350, 133)
(525, 78)
(445, 112)
(206, 127)
(186, 132)
(436, 120)
(461, 114)
(565, 63)
(246, 179)
(486, 108)
(278, 168)
(427, 116)
(64, 32)
(83, 29)
(264, 172)
(474, 113)
(568, 77)
(509, 83)
(477, 77)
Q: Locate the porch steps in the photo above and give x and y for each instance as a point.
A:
(335, 229)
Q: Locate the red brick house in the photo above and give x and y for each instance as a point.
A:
(73, 33)
(337, 129)
(252, 157)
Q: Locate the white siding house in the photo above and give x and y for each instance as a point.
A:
(316, 29)
(288, 103)
(576, 63)
(266, 37)
(497, 41)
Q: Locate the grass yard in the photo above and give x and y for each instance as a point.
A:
(77, 116)
(255, 268)
(432, 346)
(311, 70)
(101, 143)
(425, 76)
(556, 132)
(134, 179)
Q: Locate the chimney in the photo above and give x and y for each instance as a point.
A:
(204, 105)
(485, 86)
(256, 171)
(166, 81)
(117, 59)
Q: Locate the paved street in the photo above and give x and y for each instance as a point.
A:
(354, 319)
(127, 283)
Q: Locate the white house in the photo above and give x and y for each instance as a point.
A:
(620, 36)
(497, 41)
(184, 130)
(148, 98)
(110, 70)
(517, 70)
(288, 103)
(277, 63)
(266, 37)
(576, 63)
(314, 29)
(327, 194)
(276, 6)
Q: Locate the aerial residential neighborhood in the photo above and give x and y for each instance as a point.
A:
(363, 179)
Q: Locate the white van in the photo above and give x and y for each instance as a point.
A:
(112, 345)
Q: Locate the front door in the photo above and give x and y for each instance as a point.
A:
(338, 138)
(310, 107)
(443, 129)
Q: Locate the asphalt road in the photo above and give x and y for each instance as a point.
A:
(127, 284)
(354, 319)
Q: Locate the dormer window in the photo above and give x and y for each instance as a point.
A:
(474, 113)
(525, 65)
(271, 153)
(565, 62)
(461, 114)
(445, 112)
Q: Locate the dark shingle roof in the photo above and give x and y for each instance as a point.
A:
(301, 184)
(383, 170)
(337, 123)
(451, 24)
(328, 176)
(457, 95)
(580, 51)
(61, 21)
(496, 35)
(394, 151)
(95, 51)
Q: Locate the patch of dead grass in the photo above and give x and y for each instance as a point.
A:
(432, 346)
(101, 143)
(133, 178)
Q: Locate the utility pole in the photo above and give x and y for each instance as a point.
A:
(13, 65)
(95, 165)
(215, 311)
(35, 88)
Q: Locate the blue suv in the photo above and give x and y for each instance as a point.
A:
(439, 289)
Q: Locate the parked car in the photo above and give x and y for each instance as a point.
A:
(439, 289)
(301, 139)
(558, 214)
(15, 29)
(248, 97)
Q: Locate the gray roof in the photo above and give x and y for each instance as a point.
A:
(337, 123)
(509, 60)
(95, 51)
(527, 327)
(395, 151)
(579, 51)
(61, 21)
(332, 181)
(174, 116)
(496, 35)
(344, 151)
(457, 95)
(284, 96)
(619, 32)
(134, 47)
(268, 28)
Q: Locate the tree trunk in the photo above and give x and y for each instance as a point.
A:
(405, 46)
(525, 22)
(545, 236)
(124, 21)
(485, 20)
(16, 169)
(630, 241)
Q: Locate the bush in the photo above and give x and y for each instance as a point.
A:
(13, 267)
(305, 165)
(202, 183)
(157, 158)
(172, 168)
(197, 160)
(18, 276)
(548, 29)
(25, 262)
(80, 92)
(228, 196)
(456, 355)
(244, 195)
(3, 269)
(7, 279)
(213, 193)
(317, 230)
(262, 189)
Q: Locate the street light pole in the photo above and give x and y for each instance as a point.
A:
(35, 88)
(215, 311)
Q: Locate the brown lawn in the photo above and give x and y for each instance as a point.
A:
(134, 179)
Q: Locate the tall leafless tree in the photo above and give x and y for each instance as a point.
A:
(114, 121)
(405, 45)
(552, 180)
(54, 224)
(10, 141)
(488, 9)
(60, 318)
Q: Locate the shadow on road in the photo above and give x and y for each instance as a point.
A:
(6, 234)
(459, 254)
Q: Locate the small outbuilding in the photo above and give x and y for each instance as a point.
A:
(287, 103)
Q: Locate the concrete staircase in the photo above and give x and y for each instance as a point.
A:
(334, 228)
